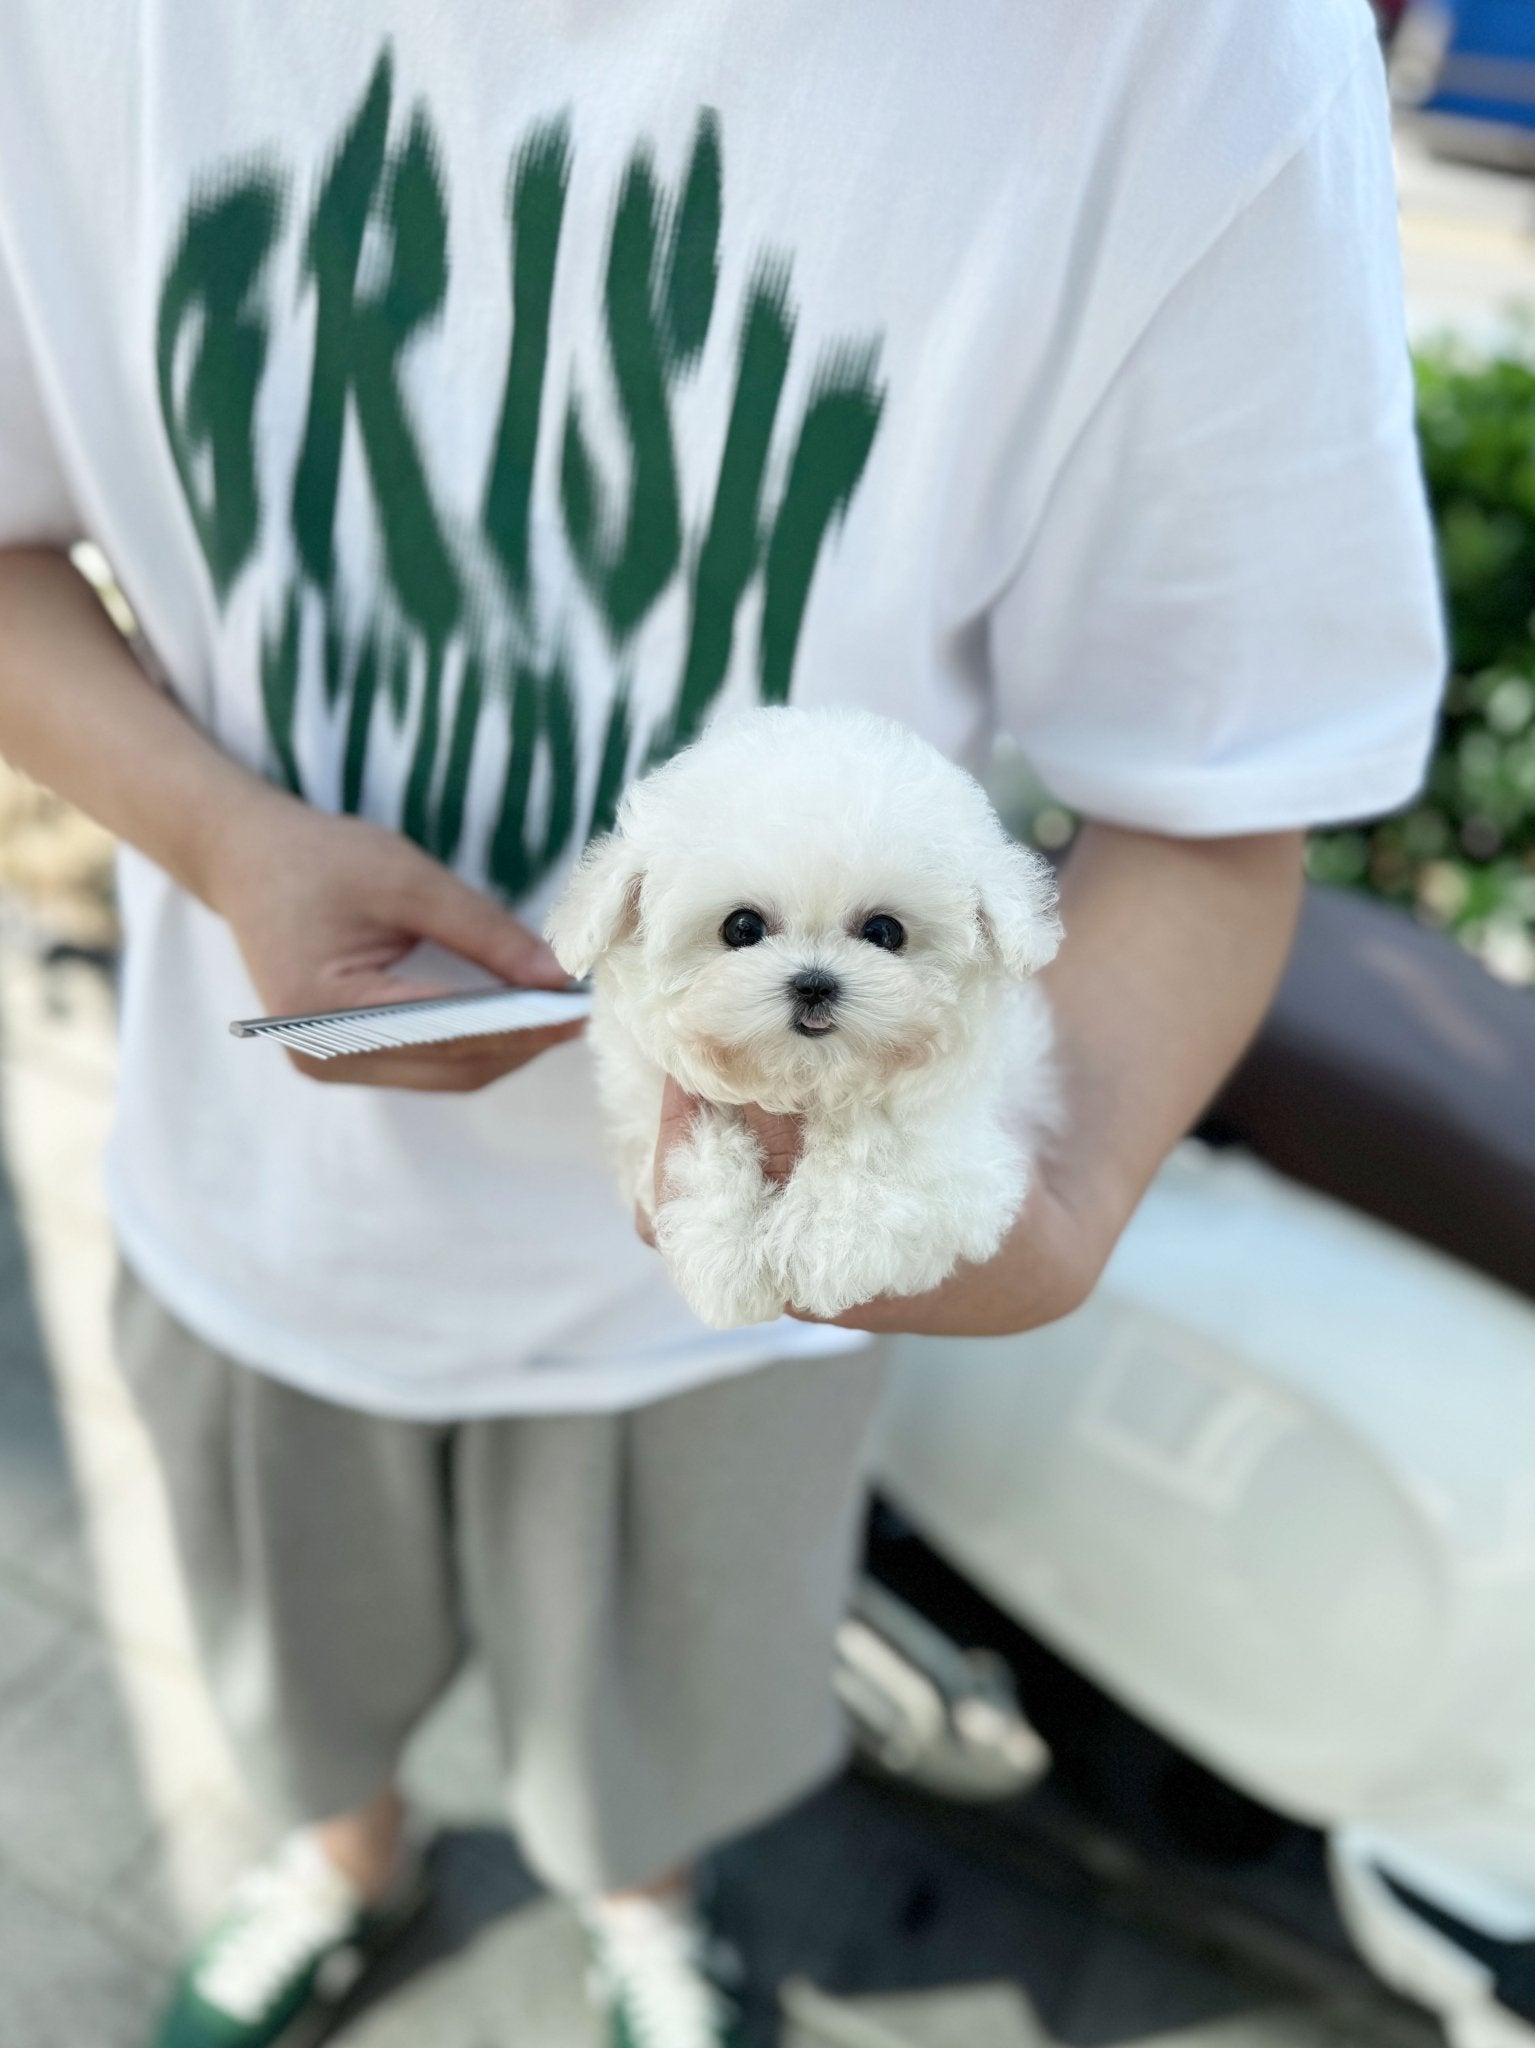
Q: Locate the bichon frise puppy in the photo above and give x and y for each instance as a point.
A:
(816, 912)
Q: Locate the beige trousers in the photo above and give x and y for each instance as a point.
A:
(653, 1593)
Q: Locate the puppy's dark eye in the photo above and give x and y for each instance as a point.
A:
(744, 928)
(888, 933)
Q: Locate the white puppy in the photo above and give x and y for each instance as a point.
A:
(815, 912)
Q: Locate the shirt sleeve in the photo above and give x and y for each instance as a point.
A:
(36, 505)
(1228, 619)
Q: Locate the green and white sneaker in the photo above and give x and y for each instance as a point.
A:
(293, 1940)
(659, 1974)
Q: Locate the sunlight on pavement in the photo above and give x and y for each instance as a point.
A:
(55, 1082)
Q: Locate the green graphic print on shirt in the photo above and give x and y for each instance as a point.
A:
(452, 657)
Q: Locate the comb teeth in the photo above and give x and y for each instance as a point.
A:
(429, 1021)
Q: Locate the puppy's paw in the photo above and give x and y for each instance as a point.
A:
(826, 1279)
(842, 1239)
(845, 1238)
(710, 1229)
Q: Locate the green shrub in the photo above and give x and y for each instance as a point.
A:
(1463, 855)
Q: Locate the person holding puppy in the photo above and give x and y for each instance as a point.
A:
(465, 428)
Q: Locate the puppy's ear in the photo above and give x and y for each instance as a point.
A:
(1017, 910)
(600, 904)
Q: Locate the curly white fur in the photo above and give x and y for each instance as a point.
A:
(923, 1082)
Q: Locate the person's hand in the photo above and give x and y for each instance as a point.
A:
(1045, 1267)
(325, 907)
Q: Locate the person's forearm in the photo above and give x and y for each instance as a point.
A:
(79, 715)
(1173, 950)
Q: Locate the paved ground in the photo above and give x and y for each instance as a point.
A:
(121, 1815)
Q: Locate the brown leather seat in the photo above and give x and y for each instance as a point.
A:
(1395, 1073)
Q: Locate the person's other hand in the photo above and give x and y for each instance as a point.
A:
(325, 907)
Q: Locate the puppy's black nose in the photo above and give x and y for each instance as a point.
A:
(815, 985)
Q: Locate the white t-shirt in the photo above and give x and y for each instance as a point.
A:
(471, 398)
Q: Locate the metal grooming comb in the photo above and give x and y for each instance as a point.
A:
(424, 1020)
